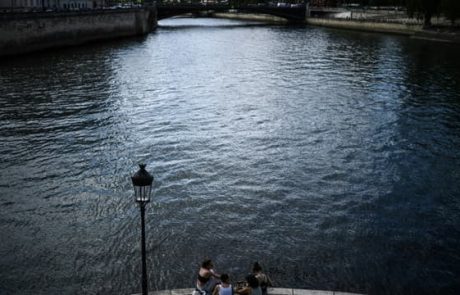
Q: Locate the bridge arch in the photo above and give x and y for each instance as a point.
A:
(291, 12)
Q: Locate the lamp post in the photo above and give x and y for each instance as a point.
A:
(142, 182)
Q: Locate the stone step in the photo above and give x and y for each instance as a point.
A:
(271, 291)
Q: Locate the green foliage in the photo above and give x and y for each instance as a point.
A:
(451, 9)
(386, 2)
(421, 9)
(424, 9)
(427, 8)
(417, 7)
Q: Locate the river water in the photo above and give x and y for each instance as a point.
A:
(331, 157)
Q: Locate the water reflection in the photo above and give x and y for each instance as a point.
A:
(329, 156)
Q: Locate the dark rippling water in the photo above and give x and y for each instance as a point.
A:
(331, 157)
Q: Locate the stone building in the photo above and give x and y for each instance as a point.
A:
(40, 5)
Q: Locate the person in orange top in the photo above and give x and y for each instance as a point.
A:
(252, 287)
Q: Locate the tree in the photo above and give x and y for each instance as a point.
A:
(423, 9)
(451, 9)
(387, 2)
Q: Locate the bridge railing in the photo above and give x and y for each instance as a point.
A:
(272, 3)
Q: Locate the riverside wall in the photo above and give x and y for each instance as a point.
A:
(265, 18)
(362, 25)
(27, 32)
(411, 29)
(416, 31)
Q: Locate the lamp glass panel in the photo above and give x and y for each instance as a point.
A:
(142, 193)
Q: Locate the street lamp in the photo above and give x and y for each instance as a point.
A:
(142, 182)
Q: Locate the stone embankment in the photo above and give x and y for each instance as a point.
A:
(265, 18)
(27, 32)
(413, 30)
(394, 22)
(271, 291)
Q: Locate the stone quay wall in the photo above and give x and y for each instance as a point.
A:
(27, 32)
(412, 30)
(362, 25)
(264, 18)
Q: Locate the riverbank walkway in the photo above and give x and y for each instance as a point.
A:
(271, 291)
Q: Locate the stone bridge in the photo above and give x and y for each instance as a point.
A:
(291, 12)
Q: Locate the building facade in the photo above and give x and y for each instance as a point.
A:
(43, 5)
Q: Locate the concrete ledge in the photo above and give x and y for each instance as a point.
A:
(415, 31)
(280, 291)
(271, 291)
(362, 25)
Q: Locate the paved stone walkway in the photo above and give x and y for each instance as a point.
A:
(271, 291)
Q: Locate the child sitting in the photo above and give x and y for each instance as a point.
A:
(224, 288)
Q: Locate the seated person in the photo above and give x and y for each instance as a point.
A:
(252, 287)
(224, 288)
(206, 282)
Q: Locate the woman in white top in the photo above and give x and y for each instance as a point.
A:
(224, 288)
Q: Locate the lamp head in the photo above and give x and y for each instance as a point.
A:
(142, 182)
